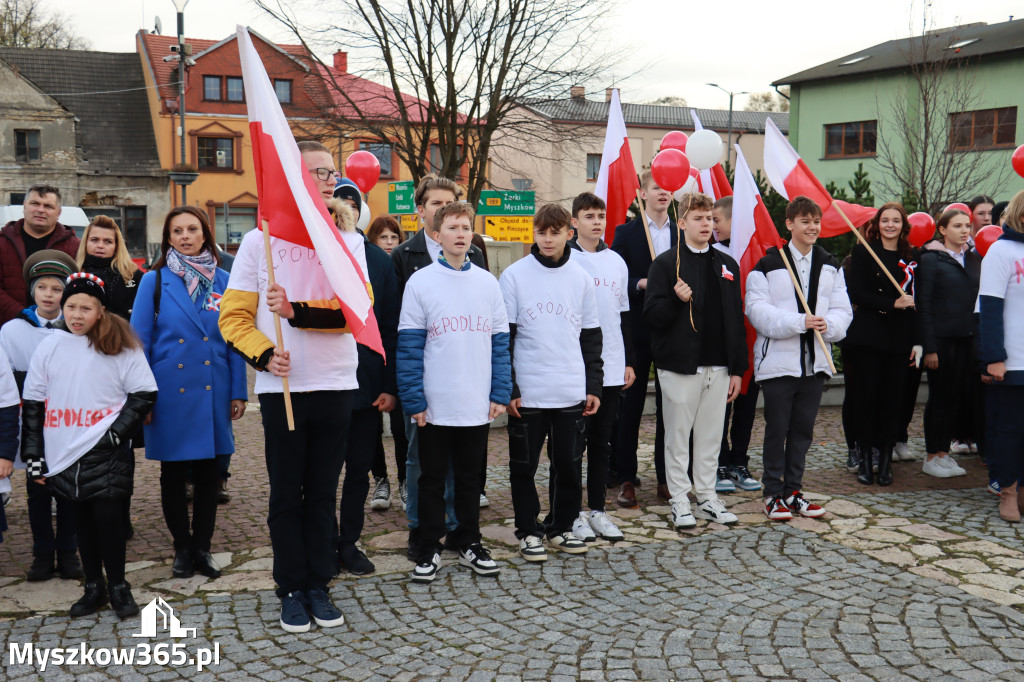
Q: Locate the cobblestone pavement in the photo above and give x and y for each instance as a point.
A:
(917, 581)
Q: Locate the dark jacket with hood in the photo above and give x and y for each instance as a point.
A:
(945, 294)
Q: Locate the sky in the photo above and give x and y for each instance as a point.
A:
(677, 45)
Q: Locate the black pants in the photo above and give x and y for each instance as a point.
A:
(790, 408)
(380, 465)
(460, 448)
(910, 389)
(40, 520)
(849, 421)
(101, 541)
(205, 475)
(627, 432)
(359, 452)
(743, 410)
(566, 428)
(303, 466)
(599, 447)
(949, 391)
(1004, 406)
(880, 382)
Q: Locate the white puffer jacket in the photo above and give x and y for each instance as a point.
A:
(772, 307)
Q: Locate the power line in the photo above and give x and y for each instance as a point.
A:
(109, 92)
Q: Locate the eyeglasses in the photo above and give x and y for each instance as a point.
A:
(324, 174)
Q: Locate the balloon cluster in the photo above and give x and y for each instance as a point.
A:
(680, 158)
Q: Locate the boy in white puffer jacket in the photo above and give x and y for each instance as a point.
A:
(789, 364)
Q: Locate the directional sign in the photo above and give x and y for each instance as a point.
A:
(498, 202)
(509, 228)
(410, 222)
(400, 197)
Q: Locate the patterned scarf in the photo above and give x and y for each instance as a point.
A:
(198, 271)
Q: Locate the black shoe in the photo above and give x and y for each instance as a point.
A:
(885, 466)
(223, 496)
(183, 564)
(853, 460)
(68, 565)
(864, 473)
(204, 563)
(41, 568)
(351, 559)
(415, 545)
(93, 600)
(122, 601)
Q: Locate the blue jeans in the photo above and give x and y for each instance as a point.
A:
(412, 480)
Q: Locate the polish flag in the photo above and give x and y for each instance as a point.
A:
(616, 182)
(291, 204)
(713, 182)
(791, 177)
(753, 233)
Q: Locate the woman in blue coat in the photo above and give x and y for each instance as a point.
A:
(202, 384)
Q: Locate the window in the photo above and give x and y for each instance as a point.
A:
(131, 219)
(236, 93)
(211, 88)
(283, 88)
(26, 145)
(850, 139)
(436, 162)
(593, 166)
(985, 129)
(232, 222)
(383, 153)
(216, 152)
(17, 198)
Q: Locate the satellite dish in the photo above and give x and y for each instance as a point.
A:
(159, 26)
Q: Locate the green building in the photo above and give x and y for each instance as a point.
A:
(933, 118)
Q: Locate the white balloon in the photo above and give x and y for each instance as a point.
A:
(364, 216)
(704, 149)
(689, 187)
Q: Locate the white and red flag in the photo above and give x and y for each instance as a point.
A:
(753, 233)
(616, 182)
(713, 181)
(292, 205)
(791, 177)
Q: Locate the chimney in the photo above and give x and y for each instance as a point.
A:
(608, 94)
(341, 61)
(577, 92)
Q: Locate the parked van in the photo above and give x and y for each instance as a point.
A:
(70, 216)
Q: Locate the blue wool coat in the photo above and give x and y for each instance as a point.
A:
(196, 374)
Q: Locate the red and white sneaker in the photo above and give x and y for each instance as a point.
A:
(776, 510)
(798, 505)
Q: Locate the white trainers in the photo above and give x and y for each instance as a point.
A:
(958, 448)
(902, 453)
(479, 559)
(714, 510)
(604, 527)
(531, 548)
(381, 499)
(951, 465)
(682, 517)
(936, 467)
(484, 502)
(426, 570)
(568, 543)
(581, 528)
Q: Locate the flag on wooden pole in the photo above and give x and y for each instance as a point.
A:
(616, 182)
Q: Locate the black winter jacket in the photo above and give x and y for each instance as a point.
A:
(877, 323)
(411, 255)
(675, 343)
(374, 376)
(120, 293)
(945, 296)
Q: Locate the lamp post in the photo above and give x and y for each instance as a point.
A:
(728, 149)
(179, 5)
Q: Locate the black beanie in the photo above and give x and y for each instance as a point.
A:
(351, 192)
(84, 283)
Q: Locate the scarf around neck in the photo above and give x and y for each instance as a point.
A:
(197, 271)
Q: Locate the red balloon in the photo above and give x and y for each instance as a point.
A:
(960, 207)
(674, 140)
(670, 169)
(922, 229)
(1017, 160)
(986, 237)
(364, 170)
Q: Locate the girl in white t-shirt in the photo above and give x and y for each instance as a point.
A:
(86, 393)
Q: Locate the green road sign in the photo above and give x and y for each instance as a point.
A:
(499, 202)
(400, 197)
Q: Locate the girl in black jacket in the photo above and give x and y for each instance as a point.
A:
(102, 252)
(881, 336)
(947, 288)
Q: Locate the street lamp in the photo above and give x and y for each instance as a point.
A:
(179, 5)
(728, 149)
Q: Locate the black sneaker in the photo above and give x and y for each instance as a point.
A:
(426, 569)
(41, 568)
(853, 460)
(479, 559)
(68, 565)
(351, 559)
(323, 610)
(294, 614)
(122, 601)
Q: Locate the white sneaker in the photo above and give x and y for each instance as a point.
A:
(714, 510)
(531, 548)
(902, 453)
(426, 570)
(604, 527)
(951, 465)
(478, 559)
(682, 517)
(581, 528)
(381, 499)
(958, 448)
(484, 502)
(936, 467)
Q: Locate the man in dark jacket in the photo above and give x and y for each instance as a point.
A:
(19, 239)
(638, 245)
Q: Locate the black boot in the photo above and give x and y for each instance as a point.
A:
(885, 466)
(183, 563)
(41, 568)
(204, 563)
(68, 565)
(122, 601)
(864, 473)
(93, 600)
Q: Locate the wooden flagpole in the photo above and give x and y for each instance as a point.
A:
(864, 243)
(277, 327)
(807, 308)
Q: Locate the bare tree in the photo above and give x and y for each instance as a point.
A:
(26, 23)
(767, 101)
(929, 144)
(453, 72)
(670, 101)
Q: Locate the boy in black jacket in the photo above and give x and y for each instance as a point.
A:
(695, 312)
